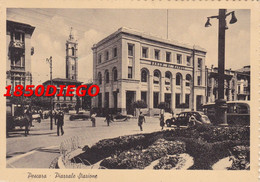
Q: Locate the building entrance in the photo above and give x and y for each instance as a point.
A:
(130, 98)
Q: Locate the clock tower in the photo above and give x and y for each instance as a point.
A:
(71, 58)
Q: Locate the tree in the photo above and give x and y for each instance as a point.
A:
(139, 104)
(163, 106)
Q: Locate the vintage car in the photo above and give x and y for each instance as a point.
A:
(182, 118)
(80, 115)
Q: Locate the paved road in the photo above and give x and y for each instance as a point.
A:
(41, 147)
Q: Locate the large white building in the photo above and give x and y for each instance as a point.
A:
(130, 65)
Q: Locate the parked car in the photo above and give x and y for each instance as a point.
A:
(182, 118)
(80, 115)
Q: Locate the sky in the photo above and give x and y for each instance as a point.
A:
(92, 25)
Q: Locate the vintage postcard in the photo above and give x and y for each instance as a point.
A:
(129, 91)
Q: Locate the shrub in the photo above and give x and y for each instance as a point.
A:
(139, 159)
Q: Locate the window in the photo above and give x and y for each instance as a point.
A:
(167, 78)
(144, 76)
(144, 97)
(155, 99)
(99, 58)
(107, 55)
(115, 52)
(17, 36)
(72, 67)
(106, 99)
(177, 100)
(168, 57)
(99, 78)
(239, 89)
(72, 51)
(188, 60)
(130, 50)
(187, 100)
(179, 59)
(178, 79)
(157, 54)
(107, 76)
(156, 77)
(130, 72)
(199, 63)
(100, 100)
(188, 80)
(72, 77)
(115, 74)
(145, 52)
(71, 98)
(199, 80)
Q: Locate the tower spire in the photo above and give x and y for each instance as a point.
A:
(71, 36)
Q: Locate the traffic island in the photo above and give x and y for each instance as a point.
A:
(198, 147)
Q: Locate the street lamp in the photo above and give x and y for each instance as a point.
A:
(49, 60)
(221, 102)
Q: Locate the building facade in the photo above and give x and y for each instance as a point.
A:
(237, 84)
(129, 65)
(64, 101)
(71, 58)
(19, 51)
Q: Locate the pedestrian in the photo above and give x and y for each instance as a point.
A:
(93, 119)
(193, 120)
(60, 123)
(26, 120)
(55, 116)
(41, 114)
(162, 121)
(141, 119)
(108, 118)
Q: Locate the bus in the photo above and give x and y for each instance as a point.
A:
(238, 112)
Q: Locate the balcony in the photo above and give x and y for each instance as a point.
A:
(17, 44)
(17, 68)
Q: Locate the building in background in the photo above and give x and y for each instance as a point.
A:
(19, 52)
(87, 100)
(64, 101)
(237, 84)
(129, 65)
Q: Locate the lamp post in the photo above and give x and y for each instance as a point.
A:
(221, 102)
(49, 60)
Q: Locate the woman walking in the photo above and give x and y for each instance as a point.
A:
(162, 121)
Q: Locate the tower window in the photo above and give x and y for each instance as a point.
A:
(199, 63)
(72, 51)
(72, 67)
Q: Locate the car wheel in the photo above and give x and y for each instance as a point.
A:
(71, 118)
(168, 123)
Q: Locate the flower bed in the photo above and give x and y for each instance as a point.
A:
(139, 159)
(205, 144)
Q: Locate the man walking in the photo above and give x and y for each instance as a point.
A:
(60, 123)
(141, 119)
